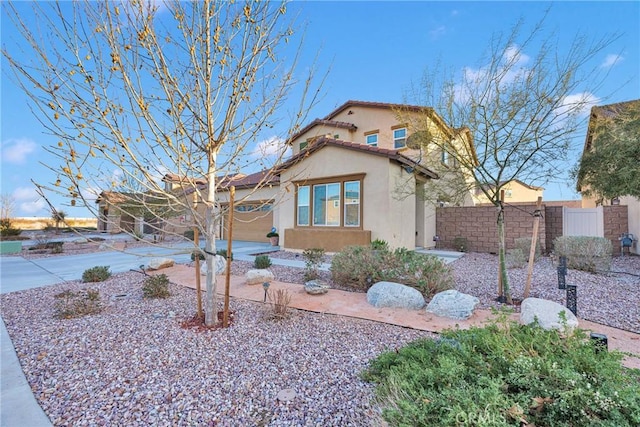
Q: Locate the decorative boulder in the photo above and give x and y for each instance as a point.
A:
(316, 287)
(259, 276)
(453, 304)
(547, 313)
(395, 295)
(159, 263)
(220, 264)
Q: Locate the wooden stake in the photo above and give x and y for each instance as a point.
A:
(534, 241)
(196, 241)
(225, 313)
(500, 289)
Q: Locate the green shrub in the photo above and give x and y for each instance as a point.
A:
(359, 267)
(189, 234)
(585, 252)
(223, 253)
(427, 273)
(506, 374)
(461, 244)
(379, 244)
(96, 274)
(524, 244)
(7, 229)
(56, 247)
(312, 259)
(76, 304)
(197, 253)
(262, 261)
(156, 286)
(516, 258)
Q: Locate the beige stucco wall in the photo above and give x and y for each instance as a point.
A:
(263, 194)
(519, 194)
(388, 217)
(634, 219)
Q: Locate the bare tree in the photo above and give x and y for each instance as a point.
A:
(7, 206)
(515, 117)
(136, 90)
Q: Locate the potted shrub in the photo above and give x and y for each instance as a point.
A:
(274, 237)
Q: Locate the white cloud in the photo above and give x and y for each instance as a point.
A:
(272, 147)
(578, 104)
(438, 32)
(17, 150)
(515, 55)
(612, 60)
(28, 200)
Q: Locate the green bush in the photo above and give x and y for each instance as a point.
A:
(197, 253)
(96, 274)
(516, 258)
(461, 244)
(312, 259)
(189, 234)
(56, 247)
(585, 252)
(156, 286)
(7, 229)
(359, 267)
(524, 244)
(262, 261)
(223, 253)
(76, 304)
(505, 374)
(379, 244)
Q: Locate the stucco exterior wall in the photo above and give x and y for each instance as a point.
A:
(519, 194)
(387, 217)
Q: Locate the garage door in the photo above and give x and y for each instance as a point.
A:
(251, 221)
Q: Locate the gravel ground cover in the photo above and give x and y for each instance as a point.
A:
(135, 365)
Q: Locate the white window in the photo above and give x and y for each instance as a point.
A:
(303, 205)
(372, 139)
(325, 211)
(352, 204)
(400, 138)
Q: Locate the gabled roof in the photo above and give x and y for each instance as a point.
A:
(488, 185)
(181, 179)
(393, 155)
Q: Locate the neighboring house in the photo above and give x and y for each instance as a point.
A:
(633, 203)
(515, 191)
(115, 215)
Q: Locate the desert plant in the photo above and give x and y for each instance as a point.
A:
(461, 244)
(516, 258)
(156, 286)
(189, 234)
(506, 374)
(585, 252)
(379, 245)
(312, 259)
(96, 274)
(7, 229)
(71, 304)
(262, 261)
(197, 253)
(359, 267)
(279, 300)
(524, 244)
(427, 273)
(223, 253)
(56, 247)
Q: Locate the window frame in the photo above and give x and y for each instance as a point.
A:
(298, 206)
(341, 180)
(375, 133)
(396, 139)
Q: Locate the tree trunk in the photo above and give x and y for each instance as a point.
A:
(504, 280)
(210, 312)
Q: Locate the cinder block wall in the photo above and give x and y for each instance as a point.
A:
(616, 222)
(478, 224)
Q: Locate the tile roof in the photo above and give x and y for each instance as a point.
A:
(322, 142)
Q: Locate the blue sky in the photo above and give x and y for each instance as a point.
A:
(374, 51)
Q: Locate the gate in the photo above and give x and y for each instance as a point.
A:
(583, 222)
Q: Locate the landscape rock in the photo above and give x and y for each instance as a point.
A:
(547, 313)
(453, 304)
(395, 295)
(259, 276)
(159, 263)
(220, 264)
(316, 287)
